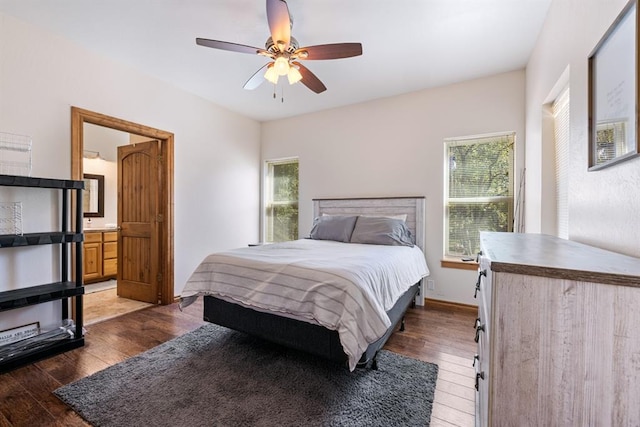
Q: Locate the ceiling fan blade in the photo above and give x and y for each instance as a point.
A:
(310, 80)
(279, 22)
(329, 51)
(233, 47)
(257, 79)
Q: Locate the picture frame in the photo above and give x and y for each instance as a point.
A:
(614, 92)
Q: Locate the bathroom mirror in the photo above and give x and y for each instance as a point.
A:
(93, 196)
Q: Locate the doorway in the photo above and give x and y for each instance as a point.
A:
(164, 215)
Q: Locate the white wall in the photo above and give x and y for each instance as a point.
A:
(109, 170)
(217, 152)
(603, 205)
(394, 147)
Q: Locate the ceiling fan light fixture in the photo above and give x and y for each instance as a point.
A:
(282, 66)
(285, 51)
(271, 75)
(294, 75)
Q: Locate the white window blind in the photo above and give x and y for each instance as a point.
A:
(281, 200)
(479, 187)
(562, 133)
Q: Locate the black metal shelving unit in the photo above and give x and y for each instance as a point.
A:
(60, 290)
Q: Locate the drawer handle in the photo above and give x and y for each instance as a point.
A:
(479, 376)
(478, 255)
(480, 274)
(479, 327)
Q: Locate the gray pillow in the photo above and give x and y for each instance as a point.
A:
(381, 231)
(338, 228)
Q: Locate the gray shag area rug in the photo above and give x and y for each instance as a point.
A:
(217, 377)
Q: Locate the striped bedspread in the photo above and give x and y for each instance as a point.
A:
(345, 287)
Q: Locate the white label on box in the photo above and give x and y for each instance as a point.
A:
(19, 333)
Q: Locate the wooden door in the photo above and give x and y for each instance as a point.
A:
(139, 251)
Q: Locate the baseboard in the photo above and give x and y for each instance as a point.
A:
(429, 302)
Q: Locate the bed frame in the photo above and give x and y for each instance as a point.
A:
(316, 339)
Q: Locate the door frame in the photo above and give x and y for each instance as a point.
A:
(81, 116)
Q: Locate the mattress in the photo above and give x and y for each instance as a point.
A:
(345, 287)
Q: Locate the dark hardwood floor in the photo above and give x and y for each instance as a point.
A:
(437, 333)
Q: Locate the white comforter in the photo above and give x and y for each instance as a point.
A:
(345, 287)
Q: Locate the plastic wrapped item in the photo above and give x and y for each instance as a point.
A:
(15, 154)
(11, 218)
(39, 342)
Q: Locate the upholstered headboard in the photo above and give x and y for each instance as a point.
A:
(413, 207)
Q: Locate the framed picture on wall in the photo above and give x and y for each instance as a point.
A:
(613, 93)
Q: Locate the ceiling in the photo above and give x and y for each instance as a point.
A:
(408, 45)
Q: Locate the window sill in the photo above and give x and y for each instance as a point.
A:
(454, 262)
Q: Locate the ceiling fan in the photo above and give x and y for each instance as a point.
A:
(285, 52)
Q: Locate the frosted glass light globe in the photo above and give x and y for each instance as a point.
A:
(281, 66)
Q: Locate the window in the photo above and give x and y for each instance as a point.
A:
(478, 190)
(281, 201)
(561, 129)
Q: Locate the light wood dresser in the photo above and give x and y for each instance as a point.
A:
(100, 255)
(558, 333)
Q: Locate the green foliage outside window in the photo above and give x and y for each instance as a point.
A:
(480, 191)
(282, 206)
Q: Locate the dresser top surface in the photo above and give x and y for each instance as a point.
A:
(545, 255)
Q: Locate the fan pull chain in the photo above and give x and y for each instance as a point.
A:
(275, 88)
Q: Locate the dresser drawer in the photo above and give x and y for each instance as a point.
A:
(483, 292)
(481, 365)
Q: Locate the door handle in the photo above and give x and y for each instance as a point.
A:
(480, 274)
(479, 376)
(479, 328)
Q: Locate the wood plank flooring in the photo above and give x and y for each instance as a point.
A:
(438, 333)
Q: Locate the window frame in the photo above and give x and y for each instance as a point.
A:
(454, 260)
(267, 201)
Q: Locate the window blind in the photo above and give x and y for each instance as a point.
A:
(562, 133)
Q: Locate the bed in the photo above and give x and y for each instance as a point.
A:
(338, 294)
